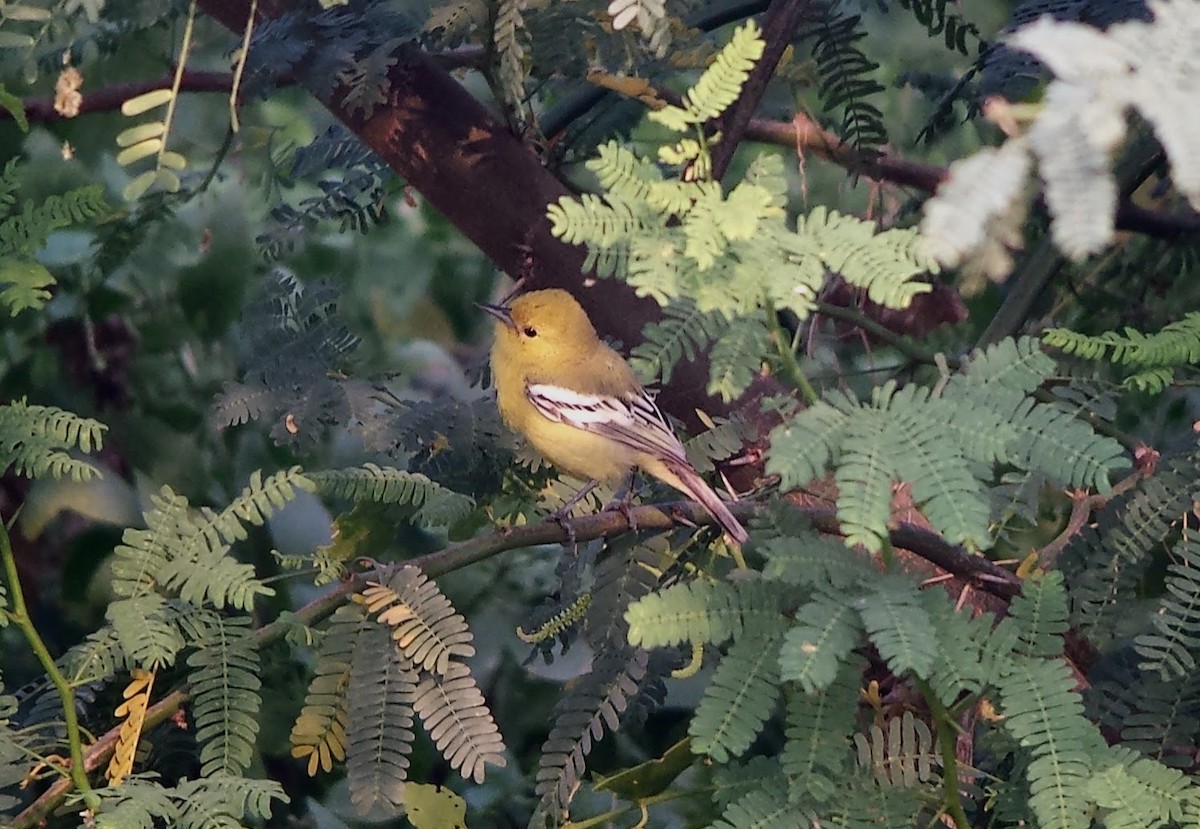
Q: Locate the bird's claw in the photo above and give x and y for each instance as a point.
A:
(622, 506)
(564, 522)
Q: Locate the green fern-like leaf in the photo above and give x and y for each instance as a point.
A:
(943, 484)
(885, 265)
(817, 753)
(1170, 649)
(1041, 615)
(739, 698)
(99, 656)
(1139, 793)
(139, 560)
(146, 630)
(198, 563)
(681, 334)
(619, 170)
(864, 475)
(733, 780)
(1106, 564)
(24, 282)
(1153, 356)
(764, 807)
(1045, 714)
(436, 505)
(945, 445)
(862, 804)
(35, 441)
(813, 560)
(1043, 711)
(26, 232)
(826, 630)
(225, 801)
(702, 612)
(973, 649)
(225, 692)
(136, 803)
(1019, 365)
(898, 625)
(803, 446)
(379, 735)
(736, 359)
(720, 84)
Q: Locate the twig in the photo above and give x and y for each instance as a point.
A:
(19, 614)
(779, 28)
(881, 332)
(803, 134)
(947, 746)
(791, 366)
(920, 354)
(1082, 506)
(109, 98)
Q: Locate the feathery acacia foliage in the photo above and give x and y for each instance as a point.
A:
(729, 254)
(988, 414)
(1099, 75)
(25, 283)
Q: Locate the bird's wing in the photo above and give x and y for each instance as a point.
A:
(634, 420)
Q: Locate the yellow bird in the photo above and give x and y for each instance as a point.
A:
(577, 401)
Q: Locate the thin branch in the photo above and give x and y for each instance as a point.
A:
(881, 332)
(803, 134)
(19, 615)
(782, 19)
(110, 98)
(1082, 506)
(919, 353)
(973, 569)
(41, 110)
(947, 747)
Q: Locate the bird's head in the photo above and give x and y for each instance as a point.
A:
(543, 324)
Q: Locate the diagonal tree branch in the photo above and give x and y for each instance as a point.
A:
(779, 27)
(803, 134)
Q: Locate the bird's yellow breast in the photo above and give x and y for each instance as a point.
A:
(581, 454)
(588, 367)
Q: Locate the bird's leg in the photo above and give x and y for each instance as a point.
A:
(623, 500)
(562, 515)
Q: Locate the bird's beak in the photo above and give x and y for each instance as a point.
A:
(499, 312)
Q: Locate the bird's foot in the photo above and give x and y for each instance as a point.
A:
(562, 515)
(563, 519)
(623, 506)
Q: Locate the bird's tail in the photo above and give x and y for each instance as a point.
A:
(690, 483)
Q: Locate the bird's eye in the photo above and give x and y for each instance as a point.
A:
(530, 331)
